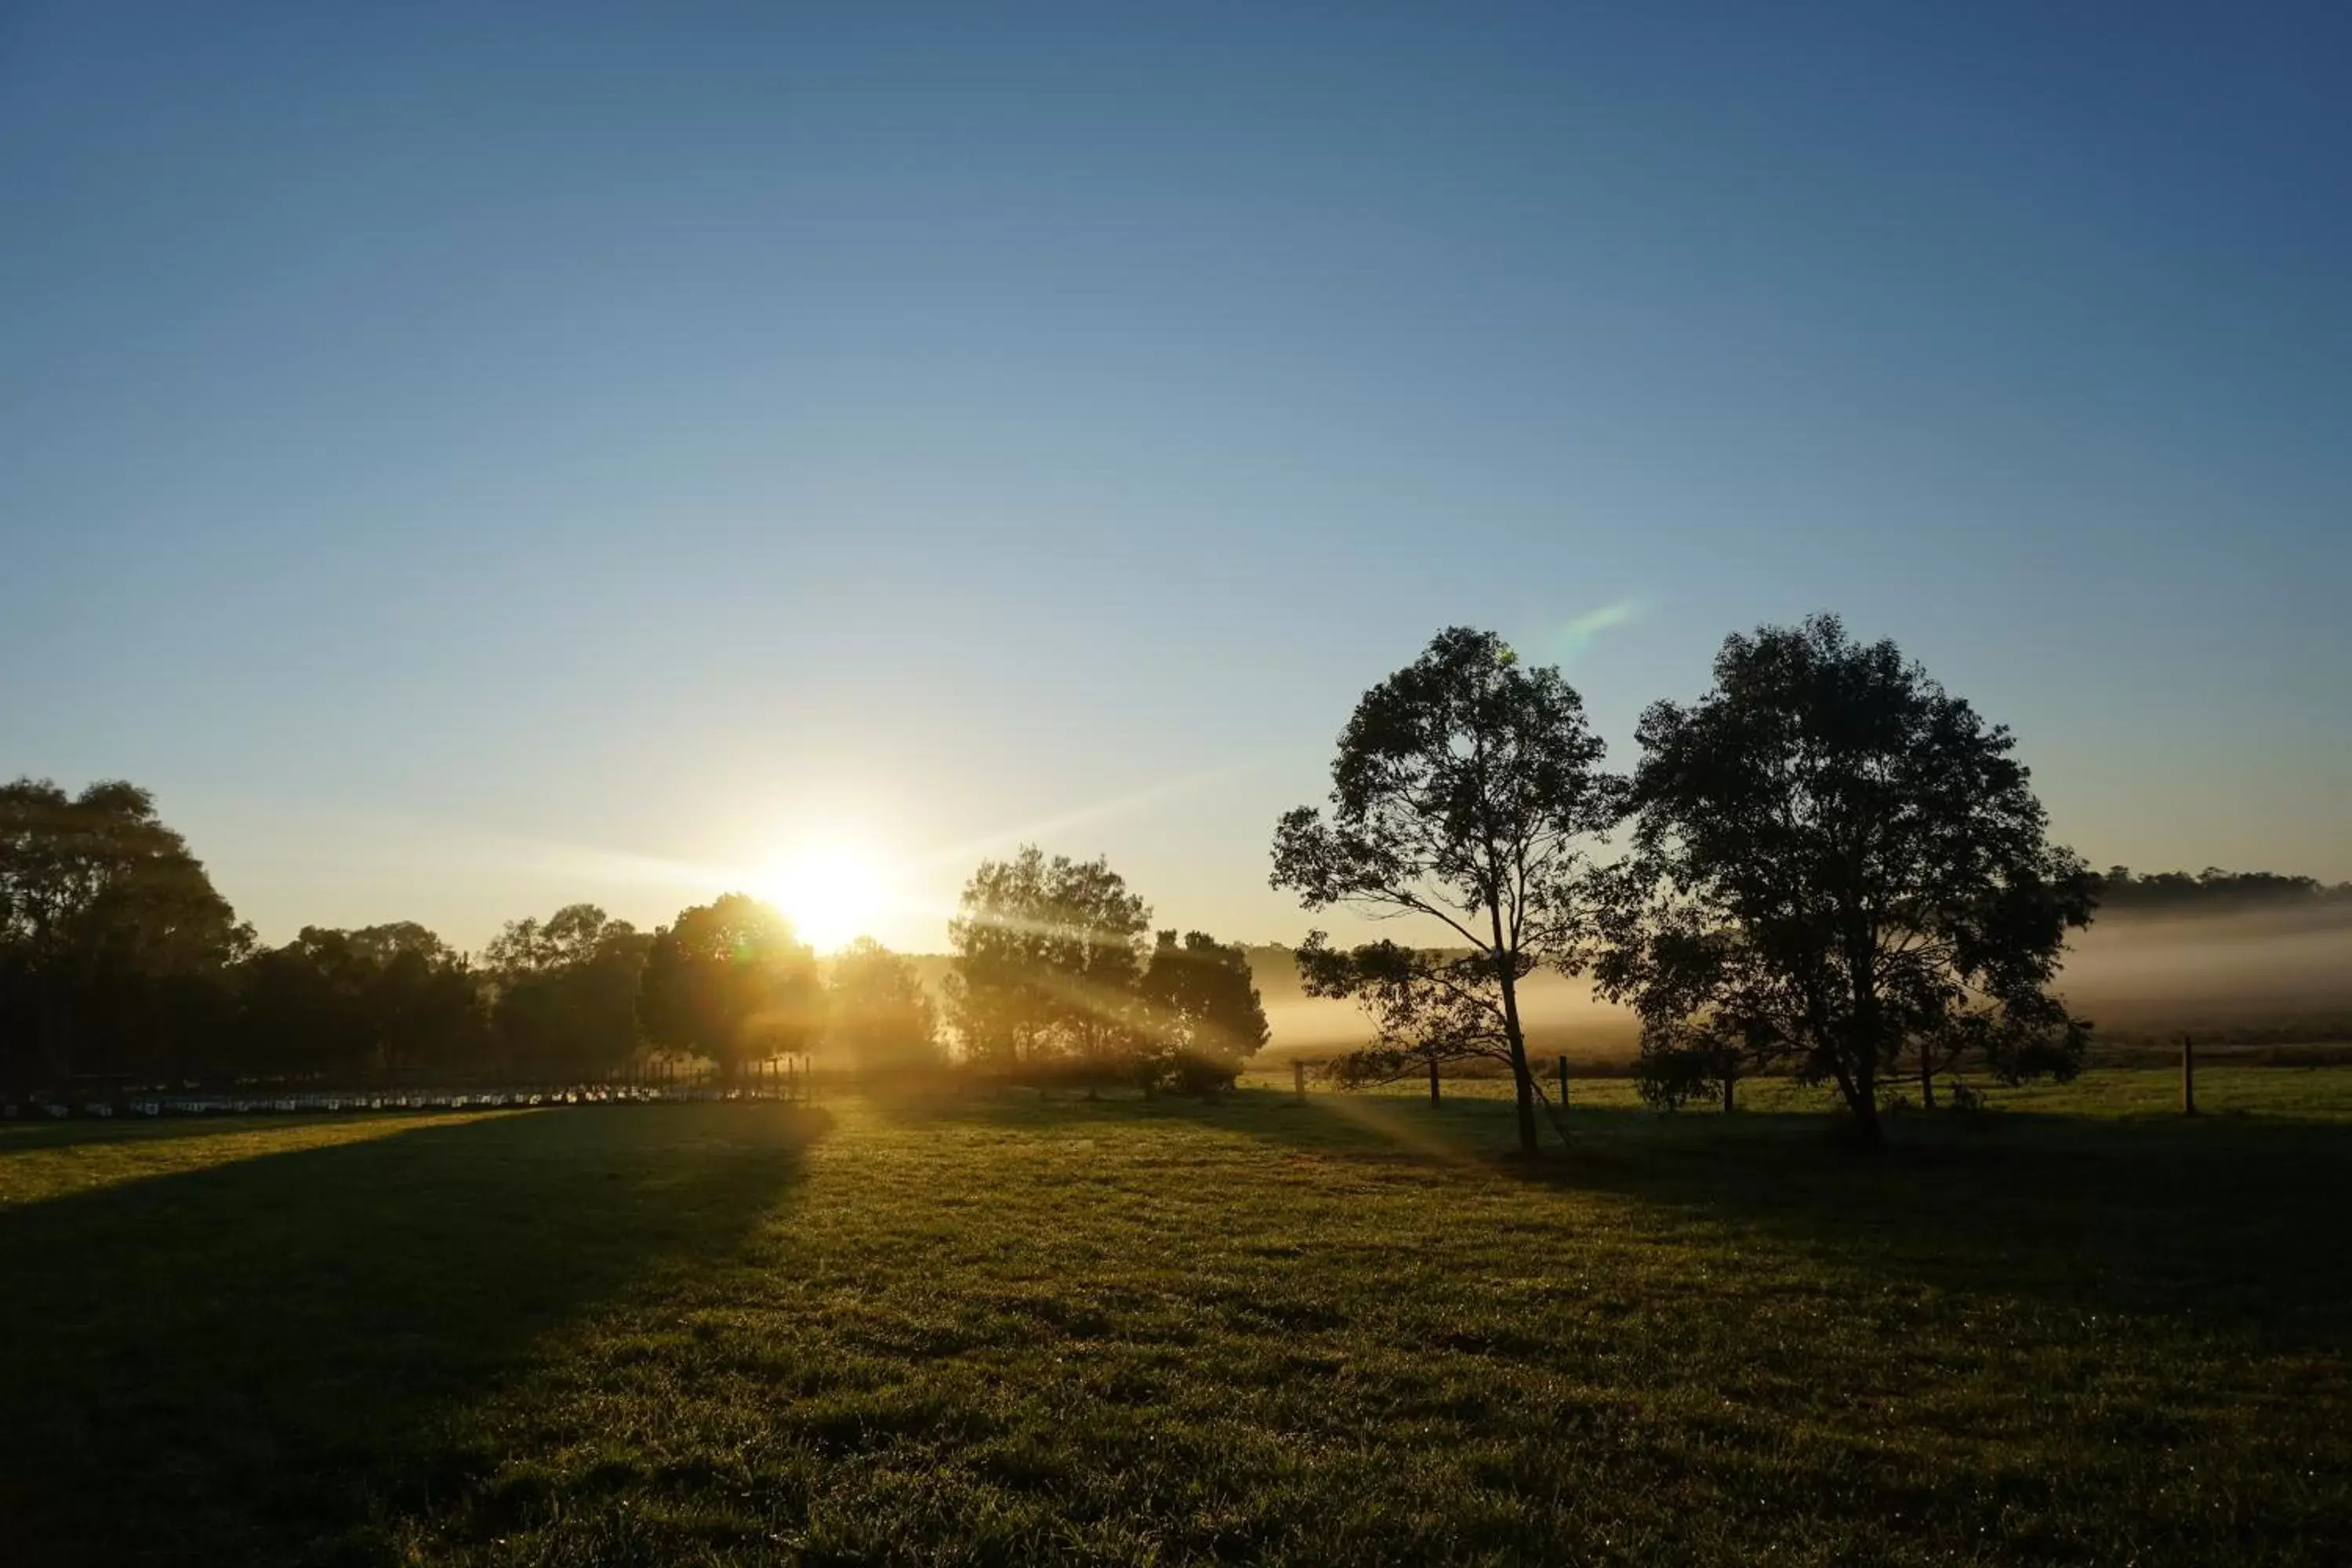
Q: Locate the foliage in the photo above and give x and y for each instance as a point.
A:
(731, 982)
(1465, 791)
(1046, 957)
(1683, 1059)
(112, 940)
(1834, 861)
(1427, 1006)
(565, 991)
(385, 1000)
(1204, 1018)
(879, 1016)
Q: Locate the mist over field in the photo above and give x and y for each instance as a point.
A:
(2260, 971)
(2278, 975)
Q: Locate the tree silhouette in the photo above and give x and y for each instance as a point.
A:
(112, 940)
(1202, 1013)
(1427, 1006)
(566, 991)
(1834, 860)
(730, 981)
(2214, 891)
(1046, 956)
(386, 999)
(1466, 790)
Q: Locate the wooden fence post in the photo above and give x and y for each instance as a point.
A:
(1563, 1083)
(1298, 1077)
(2188, 1076)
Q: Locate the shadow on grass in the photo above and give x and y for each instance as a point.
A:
(252, 1362)
(2229, 1224)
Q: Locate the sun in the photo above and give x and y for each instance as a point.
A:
(831, 889)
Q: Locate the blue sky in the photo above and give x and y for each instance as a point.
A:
(465, 458)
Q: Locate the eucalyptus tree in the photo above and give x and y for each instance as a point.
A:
(1836, 863)
(1468, 792)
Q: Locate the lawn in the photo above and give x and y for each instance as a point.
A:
(1007, 1330)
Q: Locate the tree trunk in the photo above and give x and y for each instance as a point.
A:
(1433, 1082)
(1525, 1080)
(1859, 1090)
(1862, 1097)
(1926, 1076)
(1730, 1081)
(1863, 1100)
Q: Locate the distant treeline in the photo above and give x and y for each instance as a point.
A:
(121, 965)
(2120, 892)
(119, 961)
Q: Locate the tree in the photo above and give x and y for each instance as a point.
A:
(113, 942)
(565, 991)
(390, 999)
(1680, 1059)
(1047, 953)
(1466, 790)
(1833, 859)
(1427, 1008)
(1708, 1008)
(1203, 1016)
(730, 981)
(881, 1017)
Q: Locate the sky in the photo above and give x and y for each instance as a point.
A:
(469, 458)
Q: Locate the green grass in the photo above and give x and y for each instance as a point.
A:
(2306, 1093)
(1014, 1331)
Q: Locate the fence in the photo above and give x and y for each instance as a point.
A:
(783, 1079)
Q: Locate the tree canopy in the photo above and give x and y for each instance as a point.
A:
(385, 1000)
(565, 991)
(1046, 956)
(730, 981)
(1836, 861)
(1202, 1014)
(1467, 790)
(105, 920)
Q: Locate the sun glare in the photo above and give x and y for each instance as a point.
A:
(832, 892)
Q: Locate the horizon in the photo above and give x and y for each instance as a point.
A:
(830, 933)
(469, 466)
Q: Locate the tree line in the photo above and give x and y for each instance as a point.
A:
(1052, 978)
(121, 962)
(2214, 891)
(1826, 865)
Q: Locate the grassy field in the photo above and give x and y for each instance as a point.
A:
(1013, 1330)
(2298, 1093)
